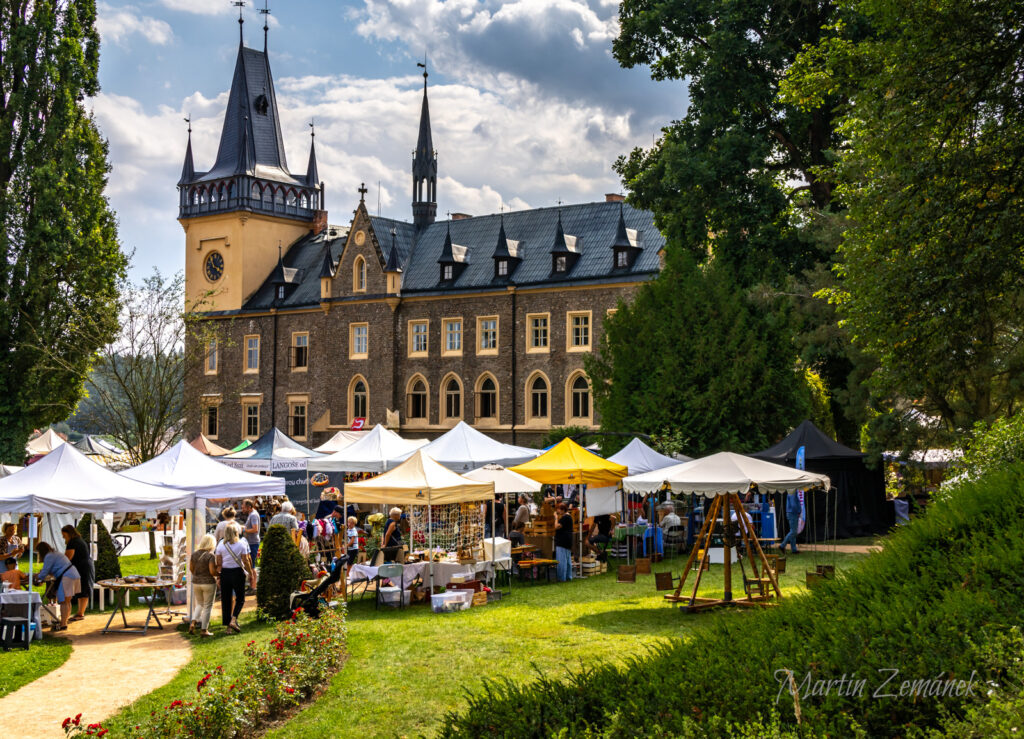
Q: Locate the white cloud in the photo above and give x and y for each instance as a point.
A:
(200, 7)
(117, 24)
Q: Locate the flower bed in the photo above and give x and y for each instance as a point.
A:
(276, 677)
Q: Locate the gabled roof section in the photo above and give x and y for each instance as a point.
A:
(452, 253)
(251, 141)
(283, 275)
(565, 244)
(506, 248)
(306, 256)
(626, 238)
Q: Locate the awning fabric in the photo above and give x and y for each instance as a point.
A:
(724, 473)
(182, 466)
(206, 446)
(9, 469)
(462, 448)
(340, 440)
(568, 462)
(274, 451)
(374, 452)
(44, 444)
(639, 457)
(505, 480)
(417, 481)
(66, 481)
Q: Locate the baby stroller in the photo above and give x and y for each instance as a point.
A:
(313, 601)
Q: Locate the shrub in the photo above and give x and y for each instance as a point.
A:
(942, 599)
(282, 569)
(108, 566)
(276, 676)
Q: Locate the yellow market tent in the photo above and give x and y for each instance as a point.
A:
(569, 463)
(419, 480)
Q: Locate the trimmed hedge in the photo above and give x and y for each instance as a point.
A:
(943, 599)
(107, 565)
(282, 569)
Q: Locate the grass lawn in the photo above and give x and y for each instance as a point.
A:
(407, 668)
(19, 667)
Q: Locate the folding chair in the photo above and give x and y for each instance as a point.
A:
(390, 572)
(121, 542)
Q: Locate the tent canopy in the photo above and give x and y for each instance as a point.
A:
(815, 443)
(206, 446)
(44, 444)
(66, 481)
(273, 451)
(724, 473)
(9, 469)
(340, 440)
(463, 448)
(568, 462)
(90, 444)
(244, 444)
(417, 481)
(372, 453)
(184, 467)
(639, 457)
(505, 480)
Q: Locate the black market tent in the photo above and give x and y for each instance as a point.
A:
(860, 506)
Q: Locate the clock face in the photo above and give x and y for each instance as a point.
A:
(214, 266)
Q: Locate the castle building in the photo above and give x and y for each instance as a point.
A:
(418, 324)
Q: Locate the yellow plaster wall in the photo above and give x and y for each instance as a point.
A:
(247, 241)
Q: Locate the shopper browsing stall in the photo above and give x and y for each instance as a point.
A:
(78, 552)
(563, 542)
(65, 576)
(10, 542)
(233, 564)
(203, 570)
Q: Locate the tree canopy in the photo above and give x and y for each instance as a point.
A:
(62, 262)
(931, 167)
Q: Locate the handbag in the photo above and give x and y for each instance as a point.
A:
(239, 563)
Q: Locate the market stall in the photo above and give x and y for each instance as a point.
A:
(569, 463)
(721, 478)
(506, 483)
(374, 452)
(66, 481)
(462, 448)
(427, 487)
(281, 456)
(44, 443)
(340, 440)
(209, 448)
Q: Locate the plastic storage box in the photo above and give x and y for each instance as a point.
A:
(451, 600)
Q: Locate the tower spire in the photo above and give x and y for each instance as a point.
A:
(424, 165)
(265, 12)
(188, 170)
(241, 21)
(312, 175)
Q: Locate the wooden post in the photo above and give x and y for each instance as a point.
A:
(726, 549)
(693, 551)
(716, 506)
(760, 553)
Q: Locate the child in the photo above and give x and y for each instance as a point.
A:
(14, 577)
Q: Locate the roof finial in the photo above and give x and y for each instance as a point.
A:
(423, 64)
(188, 120)
(241, 21)
(265, 12)
(362, 191)
(312, 128)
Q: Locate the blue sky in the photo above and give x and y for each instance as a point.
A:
(527, 104)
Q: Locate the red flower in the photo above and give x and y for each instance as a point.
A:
(78, 719)
(66, 722)
(101, 732)
(289, 691)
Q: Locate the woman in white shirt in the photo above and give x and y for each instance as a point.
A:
(233, 563)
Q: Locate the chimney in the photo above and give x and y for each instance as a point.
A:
(460, 216)
(614, 197)
(319, 223)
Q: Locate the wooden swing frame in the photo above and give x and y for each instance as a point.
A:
(720, 506)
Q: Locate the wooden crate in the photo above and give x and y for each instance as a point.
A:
(480, 599)
(627, 573)
(643, 566)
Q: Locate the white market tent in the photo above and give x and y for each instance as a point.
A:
(723, 473)
(44, 444)
(9, 469)
(66, 481)
(462, 448)
(340, 440)
(375, 452)
(505, 480)
(186, 468)
(639, 458)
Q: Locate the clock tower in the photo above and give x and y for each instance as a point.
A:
(237, 213)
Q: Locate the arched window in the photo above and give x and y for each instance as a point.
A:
(303, 200)
(231, 190)
(192, 196)
(268, 197)
(359, 399)
(220, 193)
(487, 399)
(359, 275)
(416, 400)
(256, 193)
(279, 197)
(451, 398)
(291, 198)
(202, 195)
(578, 403)
(538, 392)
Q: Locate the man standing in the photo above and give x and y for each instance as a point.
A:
(793, 518)
(563, 543)
(251, 530)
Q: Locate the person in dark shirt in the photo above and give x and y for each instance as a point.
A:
(601, 533)
(563, 542)
(78, 552)
(517, 537)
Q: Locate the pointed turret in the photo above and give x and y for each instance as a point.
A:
(312, 175)
(393, 268)
(424, 168)
(188, 170)
(627, 244)
(565, 250)
(506, 253)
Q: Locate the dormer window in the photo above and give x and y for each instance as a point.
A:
(447, 272)
(280, 292)
(502, 268)
(621, 258)
(560, 264)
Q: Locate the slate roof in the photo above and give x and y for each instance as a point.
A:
(594, 225)
(251, 141)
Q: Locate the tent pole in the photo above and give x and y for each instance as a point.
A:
(344, 575)
(494, 572)
(430, 544)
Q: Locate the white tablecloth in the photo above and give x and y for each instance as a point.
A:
(443, 571)
(23, 596)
